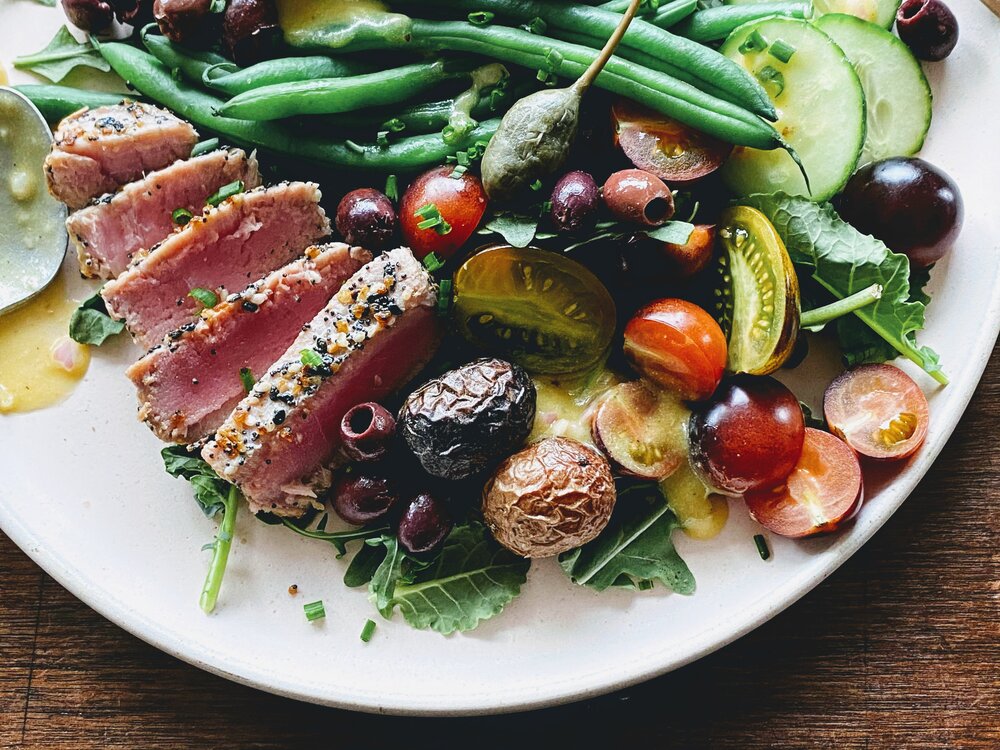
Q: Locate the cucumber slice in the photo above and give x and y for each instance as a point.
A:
(882, 12)
(821, 111)
(897, 94)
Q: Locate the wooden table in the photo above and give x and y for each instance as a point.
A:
(899, 649)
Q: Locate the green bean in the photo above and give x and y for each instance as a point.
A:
(332, 95)
(192, 64)
(717, 23)
(57, 102)
(155, 81)
(676, 56)
(283, 70)
(673, 98)
(665, 16)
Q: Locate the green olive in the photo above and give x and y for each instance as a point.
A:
(759, 303)
(534, 307)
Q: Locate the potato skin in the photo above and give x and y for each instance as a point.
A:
(551, 497)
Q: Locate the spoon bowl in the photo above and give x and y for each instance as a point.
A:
(33, 239)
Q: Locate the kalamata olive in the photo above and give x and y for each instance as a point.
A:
(549, 498)
(250, 31)
(912, 206)
(461, 422)
(361, 495)
(575, 201)
(366, 431)
(137, 13)
(639, 197)
(928, 28)
(424, 525)
(188, 22)
(89, 15)
(366, 217)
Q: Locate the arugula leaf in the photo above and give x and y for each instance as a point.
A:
(91, 323)
(472, 579)
(844, 261)
(635, 549)
(674, 232)
(517, 230)
(47, 3)
(367, 560)
(210, 490)
(60, 56)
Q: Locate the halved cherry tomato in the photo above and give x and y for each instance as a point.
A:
(678, 345)
(878, 410)
(665, 147)
(459, 201)
(823, 491)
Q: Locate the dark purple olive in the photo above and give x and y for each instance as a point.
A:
(134, 12)
(366, 217)
(89, 15)
(188, 22)
(361, 495)
(250, 31)
(928, 28)
(575, 202)
(366, 431)
(424, 525)
(638, 197)
(912, 206)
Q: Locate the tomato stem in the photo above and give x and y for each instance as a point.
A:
(820, 316)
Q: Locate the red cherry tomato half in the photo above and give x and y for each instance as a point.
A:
(460, 202)
(665, 147)
(878, 410)
(823, 491)
(677, 345)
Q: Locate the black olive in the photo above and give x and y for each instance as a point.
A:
(250, 31)
(366, 431)
(463, 421)
(188, 22)
(575, 202)
(89, 15)
(424, 525)
(135, 12)
(363, 495)
(365, 217)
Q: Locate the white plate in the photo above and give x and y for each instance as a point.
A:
(83, 492)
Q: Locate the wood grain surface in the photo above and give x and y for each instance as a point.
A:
(899, 649)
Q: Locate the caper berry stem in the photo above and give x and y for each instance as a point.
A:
(583, 82)
(820, 316)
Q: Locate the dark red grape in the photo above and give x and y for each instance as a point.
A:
(424, 525)
(366, 431)
(360, 495)
(366, 217)
(89, 15)
(749, 436)
(928, 28)
(575, 201)
(912, 206)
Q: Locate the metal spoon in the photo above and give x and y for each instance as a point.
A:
(33, 237)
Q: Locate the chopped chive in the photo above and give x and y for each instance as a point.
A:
(753, 43)
(553, 59)
(367, 631)
(395, 125)
(392, 188)
(314, 610)
(481, 18)
(311, 358)
(762, 548)
(203, 147)
(782, 50)
(536, 26)
(247, 378)
(458, 171)
(355, 147)
(226, 191)
(432, 263)
(382, 138)
(543, 75)
(768, 75)
(181, 216)
(206, 297)
(432, 219)
(462, 157)
(444, 297)
(536, 185)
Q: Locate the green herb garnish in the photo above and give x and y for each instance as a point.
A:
(206, 297)
(770, 76)
(432, 219)
(762, 548)
(432, 263)
(181, 216)
(61, 56)
(755, 42)
(444, 297)
(392, 187)
(536, 26)
(247, 379)
(311, 358)
(781, 50)
(203, 147)
(314, 610)
(368, 631)
(226, 191)
(91, 323)
(481, 18)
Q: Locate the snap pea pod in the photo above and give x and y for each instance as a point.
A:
(666, 95)
(717, 23)
(665, 16)
(676, 56)
(56, 102)
(283, 70)
(331, 95)
(192, 64)
(155, 81)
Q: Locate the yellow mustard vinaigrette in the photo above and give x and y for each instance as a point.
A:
(701, 514)
(565, 406)
(39, 363)
(335, 23)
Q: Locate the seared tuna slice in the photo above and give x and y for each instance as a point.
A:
(96, 151)
(108, 233)
(191, 382)
(246, 237)
(374, 336)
